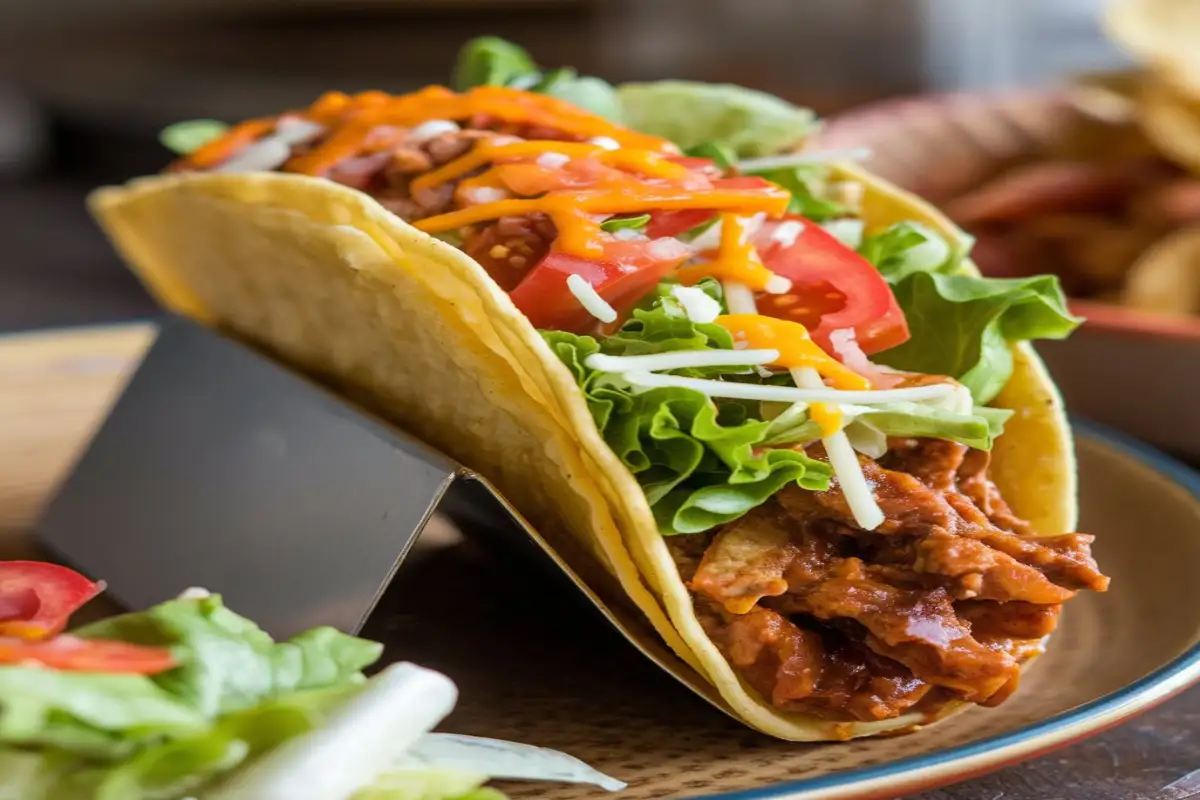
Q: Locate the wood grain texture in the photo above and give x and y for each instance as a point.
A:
(55, 388)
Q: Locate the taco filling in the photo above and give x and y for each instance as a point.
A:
(802, 395)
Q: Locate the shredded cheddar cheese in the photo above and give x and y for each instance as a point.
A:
(796, 348)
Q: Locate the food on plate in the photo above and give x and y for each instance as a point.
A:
(764, 391)
(188, 699)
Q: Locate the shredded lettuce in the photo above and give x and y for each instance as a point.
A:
(236, 693)
(190, 135)
(962, 325)
(625, 223)
(228, 663)
(491, 61)
(977, 429)
(700, 464)
(746, 121)
(807, 185)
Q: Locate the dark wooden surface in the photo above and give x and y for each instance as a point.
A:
(56, 269)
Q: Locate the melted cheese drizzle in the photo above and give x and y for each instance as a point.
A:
(736, 259)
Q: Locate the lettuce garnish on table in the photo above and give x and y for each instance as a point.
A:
(189, 699)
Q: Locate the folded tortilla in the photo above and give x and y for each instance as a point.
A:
(328, 280)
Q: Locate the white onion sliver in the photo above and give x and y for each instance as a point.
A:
(787, 232)
(590, 299)
(261, 156)
(680, 360)
(777, 284)
(552, 160)
(788, 394)
(294, 130)
(607, 142)
(430, 129)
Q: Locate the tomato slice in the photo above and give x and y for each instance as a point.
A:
(676, 222)
(627, 272)
(833, 288)
(37, 599)
(70, 653)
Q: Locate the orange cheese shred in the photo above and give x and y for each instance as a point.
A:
(796, 348)
(736, 259)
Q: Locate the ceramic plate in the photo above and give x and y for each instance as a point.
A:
(546, 670)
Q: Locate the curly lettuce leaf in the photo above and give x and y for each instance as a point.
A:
(95, 714)
(227, 663)
(700, 464)
(977, 429)
(690, 113)
(807, 185)
(492, 61)
(963, 326)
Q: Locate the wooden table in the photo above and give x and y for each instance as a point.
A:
(55, 269)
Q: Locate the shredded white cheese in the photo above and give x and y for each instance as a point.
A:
(485, 194)
(607, 142)
(628, 235)
(777, 284)
(697, 305)
(796, 159)
(590, 299)
(552, 160)
(666, 249)
(788, 394)
(845, 464)
(431, 129)
(657, 362)
(739, 299)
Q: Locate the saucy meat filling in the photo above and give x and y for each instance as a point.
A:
(943, 601)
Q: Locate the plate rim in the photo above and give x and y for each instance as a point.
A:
(891, 779)
(902, 776)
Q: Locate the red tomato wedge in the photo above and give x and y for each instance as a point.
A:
(628, 271)
(37, 599)
(676, 222)
(833, 288)
(70, 653)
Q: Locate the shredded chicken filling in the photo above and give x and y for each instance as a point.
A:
(944, 601)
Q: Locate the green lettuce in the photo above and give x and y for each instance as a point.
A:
(235, 694)
(807, 185)
(700, 463)
(227, 663)
(491, 61)
(746, 121)
(962, 325)
(977, 429)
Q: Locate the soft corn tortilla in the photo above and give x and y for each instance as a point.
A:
(330, 281)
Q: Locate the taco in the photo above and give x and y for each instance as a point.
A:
(768, 394)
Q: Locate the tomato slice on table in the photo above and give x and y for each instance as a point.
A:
(627, 272)
(70, 653)
(37, 599)
(833, 288)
